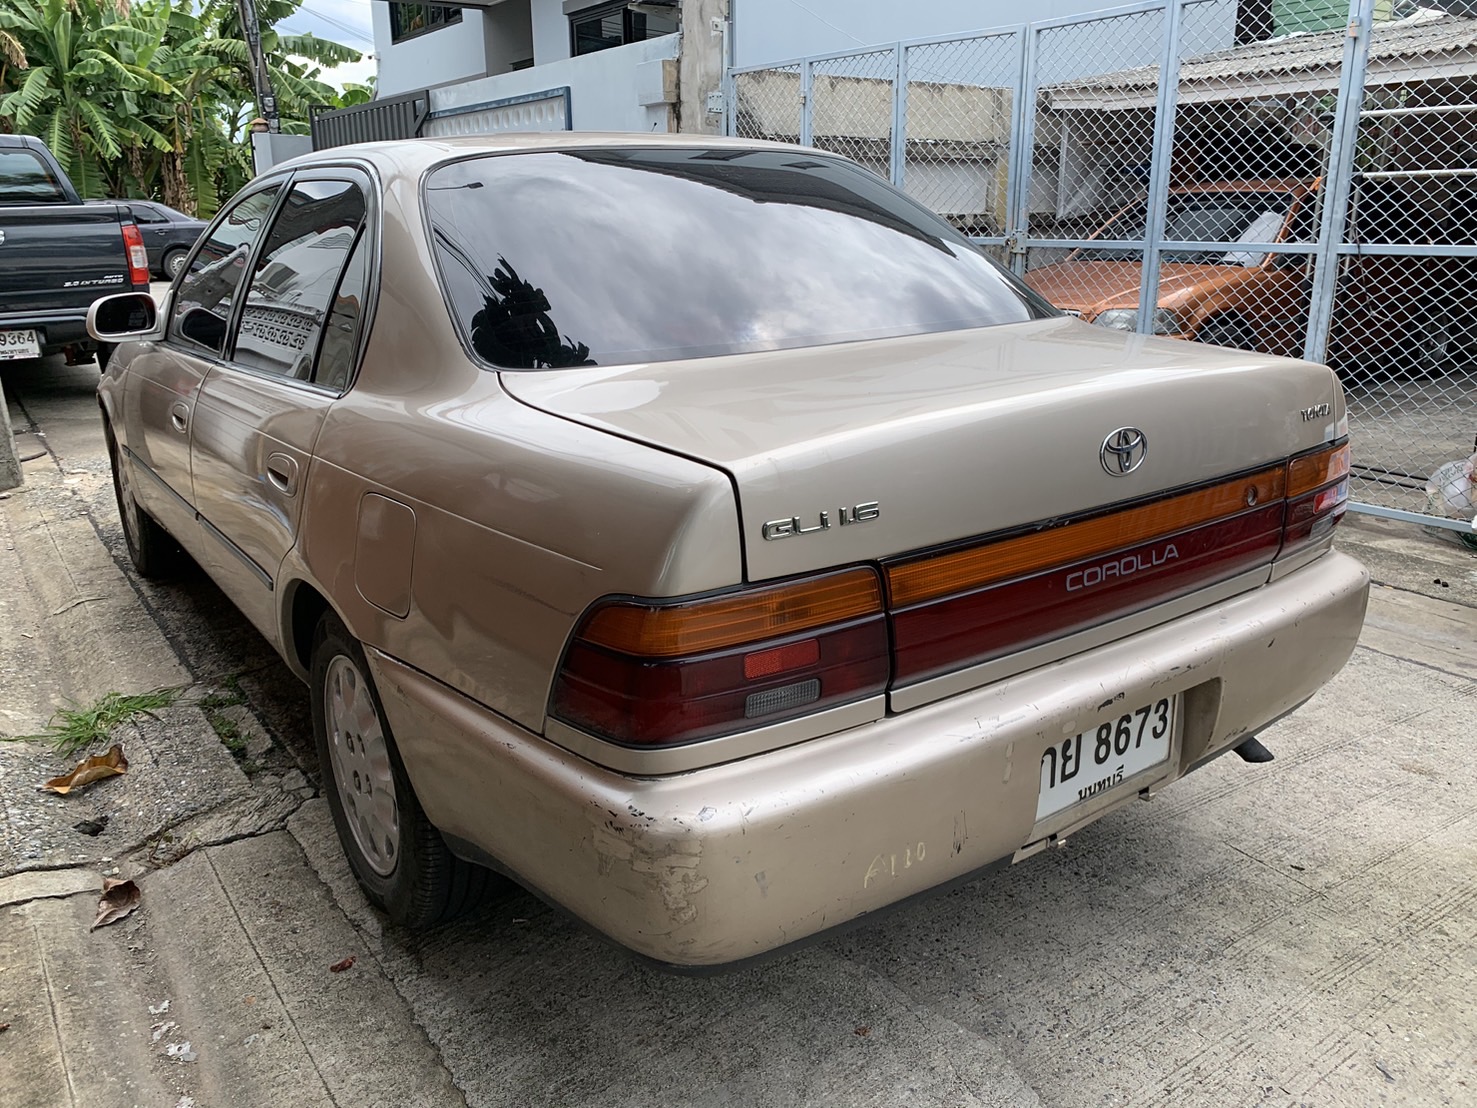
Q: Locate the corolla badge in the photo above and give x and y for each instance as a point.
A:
(1123, 451)
(2, 238)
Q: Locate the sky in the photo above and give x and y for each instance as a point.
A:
(345, 21)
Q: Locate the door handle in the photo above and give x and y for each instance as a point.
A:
(179, 418)
(282, 473)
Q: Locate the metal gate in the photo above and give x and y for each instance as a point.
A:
(1179, 167)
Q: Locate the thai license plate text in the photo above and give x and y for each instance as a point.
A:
(15, 345)
(1091, 763)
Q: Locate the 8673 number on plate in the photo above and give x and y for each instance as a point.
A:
(1092, 762)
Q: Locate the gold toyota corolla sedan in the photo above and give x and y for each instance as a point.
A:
(707, 536)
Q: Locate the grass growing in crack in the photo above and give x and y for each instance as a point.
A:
(226, 728)
(72, 729)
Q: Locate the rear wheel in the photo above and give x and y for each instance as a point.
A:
(399, 858)
(172, 263)
(151, 548)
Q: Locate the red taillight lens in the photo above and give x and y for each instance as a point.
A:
(1312, 515)
(138, 257)
(650, 673)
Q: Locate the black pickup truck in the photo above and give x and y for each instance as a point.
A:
(57, 255)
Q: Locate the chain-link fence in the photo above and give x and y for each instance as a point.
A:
(1192, 168)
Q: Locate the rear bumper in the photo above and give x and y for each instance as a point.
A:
(54, 328)
(725, 863)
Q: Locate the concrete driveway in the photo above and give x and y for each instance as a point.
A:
(1299, 933)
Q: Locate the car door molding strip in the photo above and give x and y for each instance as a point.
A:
(246, 559)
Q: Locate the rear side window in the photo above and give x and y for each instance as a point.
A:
(297, 272)
(208, 290)
(24, 179)
(608, 257)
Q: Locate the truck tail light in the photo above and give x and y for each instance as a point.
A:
(658, 673)
(138, 257)
(1318, 495)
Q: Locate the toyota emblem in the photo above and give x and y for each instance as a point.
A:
(1124, 451)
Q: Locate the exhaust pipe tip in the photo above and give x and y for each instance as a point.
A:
(1251, 750)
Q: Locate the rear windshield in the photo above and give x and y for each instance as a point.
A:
(24, 179)
(608, 257)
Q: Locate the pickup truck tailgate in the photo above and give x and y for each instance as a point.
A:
(60, 256)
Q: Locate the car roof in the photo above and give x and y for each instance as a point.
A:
(415, 156)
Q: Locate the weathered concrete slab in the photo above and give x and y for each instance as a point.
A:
(1421, 629)
(246, 934)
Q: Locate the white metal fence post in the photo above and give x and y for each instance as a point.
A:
(1160, 159)
(807, 101)
(1337, 181)
(899, 150)
(1021, 156)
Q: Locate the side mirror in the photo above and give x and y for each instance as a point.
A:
(128, 315)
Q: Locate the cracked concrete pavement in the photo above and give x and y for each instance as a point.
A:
(1293, 934)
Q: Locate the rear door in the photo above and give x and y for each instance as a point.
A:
(164, 378)
(260, 408)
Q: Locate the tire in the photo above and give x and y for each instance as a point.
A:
(398, 857)
(151, 548)
(1433, 347)
(172, 263)
(1228, 331)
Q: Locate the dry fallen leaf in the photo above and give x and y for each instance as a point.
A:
(863, 1031)
(339, 967)
(89, 770)
(118, 899)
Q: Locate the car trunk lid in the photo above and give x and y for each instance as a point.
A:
(950, 436)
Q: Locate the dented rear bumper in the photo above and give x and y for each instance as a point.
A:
(721, 864)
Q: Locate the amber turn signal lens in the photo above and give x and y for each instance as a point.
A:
(663, 631)
(1321, 467)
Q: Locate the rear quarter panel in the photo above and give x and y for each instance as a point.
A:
(521, 519)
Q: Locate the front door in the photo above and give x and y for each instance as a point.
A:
(260, 408)
(164, 379)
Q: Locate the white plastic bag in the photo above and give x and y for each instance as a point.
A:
(1451, 493)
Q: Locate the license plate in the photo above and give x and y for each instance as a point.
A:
(1089, 764)
(15, 345)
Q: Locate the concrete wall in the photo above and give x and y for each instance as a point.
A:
(453, 53)
(550, 31)
(775, 30)
(508, 34)
(629, 88)
(702, 65)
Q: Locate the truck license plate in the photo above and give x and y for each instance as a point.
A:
(15, 345)
(1089, 764)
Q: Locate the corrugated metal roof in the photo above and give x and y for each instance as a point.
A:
(1427, 35)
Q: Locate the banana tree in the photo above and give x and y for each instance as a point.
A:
(85, 62)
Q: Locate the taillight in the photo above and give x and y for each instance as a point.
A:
(656, 673)
(138, 257)
(1318, 495)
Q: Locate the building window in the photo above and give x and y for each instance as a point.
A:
(409, 20)
(599, 27)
